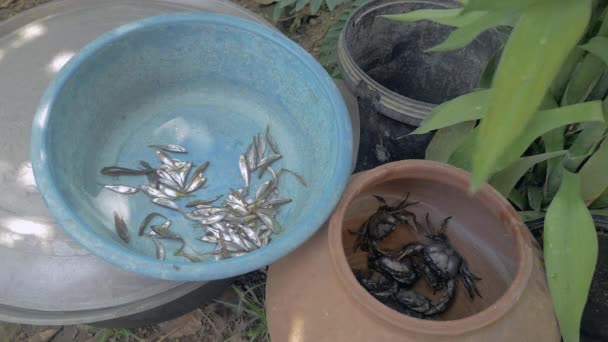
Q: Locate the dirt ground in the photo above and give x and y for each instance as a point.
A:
(215, 321)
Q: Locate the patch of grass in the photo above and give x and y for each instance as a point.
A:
(113, 335)
(250, 309)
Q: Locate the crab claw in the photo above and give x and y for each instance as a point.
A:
(469, 279)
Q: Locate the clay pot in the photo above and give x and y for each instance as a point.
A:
(312, 294)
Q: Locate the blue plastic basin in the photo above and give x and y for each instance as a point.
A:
(207, 82)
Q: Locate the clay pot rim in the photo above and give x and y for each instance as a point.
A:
(454, 177)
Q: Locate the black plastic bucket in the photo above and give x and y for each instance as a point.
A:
(594, 325)
(384, 64)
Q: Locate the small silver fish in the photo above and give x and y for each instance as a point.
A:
(251, 235)
(277, 202)
(182, 172)
(170, 148)
(121, 189)
(170, 179)
(235, 219)
(265, 188)
(270, 141)
(261, 148)
(199, 170)
(170, 192)
(208, 239)
(147, 220)
(152, 192)
(167, 203)
(160, 249)
(251, 156)
(268, 222)
(264, 163)
(116, 171)
(203, 201)
(165, 159)
(296, 175)
(244, 170)
(213, 219)
(121, 227)
(195, 183)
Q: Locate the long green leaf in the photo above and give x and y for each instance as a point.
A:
(538, 46)
(547, 120)
(485, 80)
(467, 107)
(285, 3)
(553, 141)
(300, 4)
(583, 80)
(531, 215)
(446, 141)
(277, 12)
(518, 199)
(535, 197)
(601, 202)
(589, 138)
(506, 179)
(598, 46)
(594, 174)
(331, 4)
(570, 242)
(424, 14)
(462, 36)
(561, 80)
(462, 156)
(315, 6)
(500, 5)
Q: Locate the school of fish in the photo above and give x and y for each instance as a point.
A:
(243, 222)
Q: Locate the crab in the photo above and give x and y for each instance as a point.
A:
(377, 284)
(420, 306)
(441, 262)
(383, 222)
(402, 270)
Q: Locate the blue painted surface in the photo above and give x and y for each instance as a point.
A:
(207, 82)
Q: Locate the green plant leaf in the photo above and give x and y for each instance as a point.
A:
(588, 140)
(601, 202)
(450, 17)
(485, 80)
(506, 179)
(462, 156)
(446, 141)
(462, 36)
(583, 80)
(537, 47)
(331, 4)
(517, 199)
(467, 107)
(553, 141)
(285, 3)
(315, 6)
(598, 46)
(601, 88)
(424, 14)
(277, 12)
(498, 5)
(593, 174)
(570, 241)
(531, 215)
(535, 197)
(563, 77)
(300, 4)
(547, 120)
